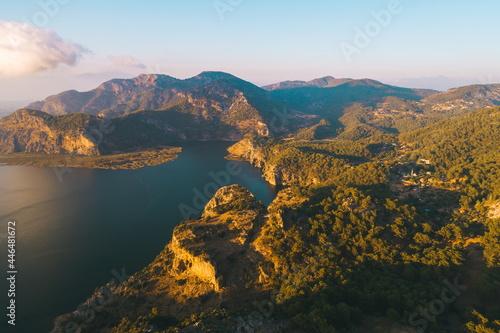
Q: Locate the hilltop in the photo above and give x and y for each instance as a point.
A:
(155, 110)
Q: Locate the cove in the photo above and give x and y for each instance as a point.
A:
(76, 235)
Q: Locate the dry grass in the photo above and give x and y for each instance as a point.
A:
(132, 160)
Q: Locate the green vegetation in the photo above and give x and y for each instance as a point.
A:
(472, 93)
(364, 237)
(480, 324)
(353, 249)
(391, 192)
(335, 162)
(359, 255)
(321, 130)
(464, 149)
(144, 323)
(70, 122)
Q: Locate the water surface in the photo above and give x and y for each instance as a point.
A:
(76, 235)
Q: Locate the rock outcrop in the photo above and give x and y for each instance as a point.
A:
(32, 132)
(145, 112)
(494, 212)
(214, 262)
(248, 150)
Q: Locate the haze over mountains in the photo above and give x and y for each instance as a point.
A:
(324, 82)
(154, 109)
(155, 92)
(221, 90)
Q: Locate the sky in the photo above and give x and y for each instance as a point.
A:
(47, 46)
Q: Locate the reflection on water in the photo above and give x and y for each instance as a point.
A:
(72, 235)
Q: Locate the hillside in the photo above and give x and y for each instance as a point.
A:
(152, 110)
(353, 239)
(239, 257)
(37, 132)
(212, 263)
(220, 91)
(35, 138)
(324, 82)
(296, 104)
(464, 99)
(31, 131)
(125, 95)
(313, 162)
(465, 149)
(357, 109)
(316, 99)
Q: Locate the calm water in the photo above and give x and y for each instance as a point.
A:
(72, 235)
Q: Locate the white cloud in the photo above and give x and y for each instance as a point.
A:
(127, 62)
(25, 49)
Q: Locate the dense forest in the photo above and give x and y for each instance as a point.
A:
(466, 150)
(359, 248)
(403, 227)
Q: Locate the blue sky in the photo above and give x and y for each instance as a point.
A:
(422, 43)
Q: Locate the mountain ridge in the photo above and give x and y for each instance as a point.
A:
(146, 91)
(323, 82)
(155, 109)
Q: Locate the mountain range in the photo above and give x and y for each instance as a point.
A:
(354, 240)
(154, 109)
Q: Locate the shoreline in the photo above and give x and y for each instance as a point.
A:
(121, 161)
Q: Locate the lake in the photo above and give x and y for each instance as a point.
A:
(79, 233)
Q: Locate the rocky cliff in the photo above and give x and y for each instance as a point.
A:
(494, 210)
(218, 274)
(31, 131)
(213, 263)
(210, 95)
(249, 150)
(145, 112)
(34, 132)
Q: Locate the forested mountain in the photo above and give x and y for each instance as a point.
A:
(368, 231)
(219, 91)
(389, 196)
(315, 99)
(31, 131)
(157, 109)
(466, 149)
(464, 99)
(39, 132)
(324, 82)
(361, 108)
